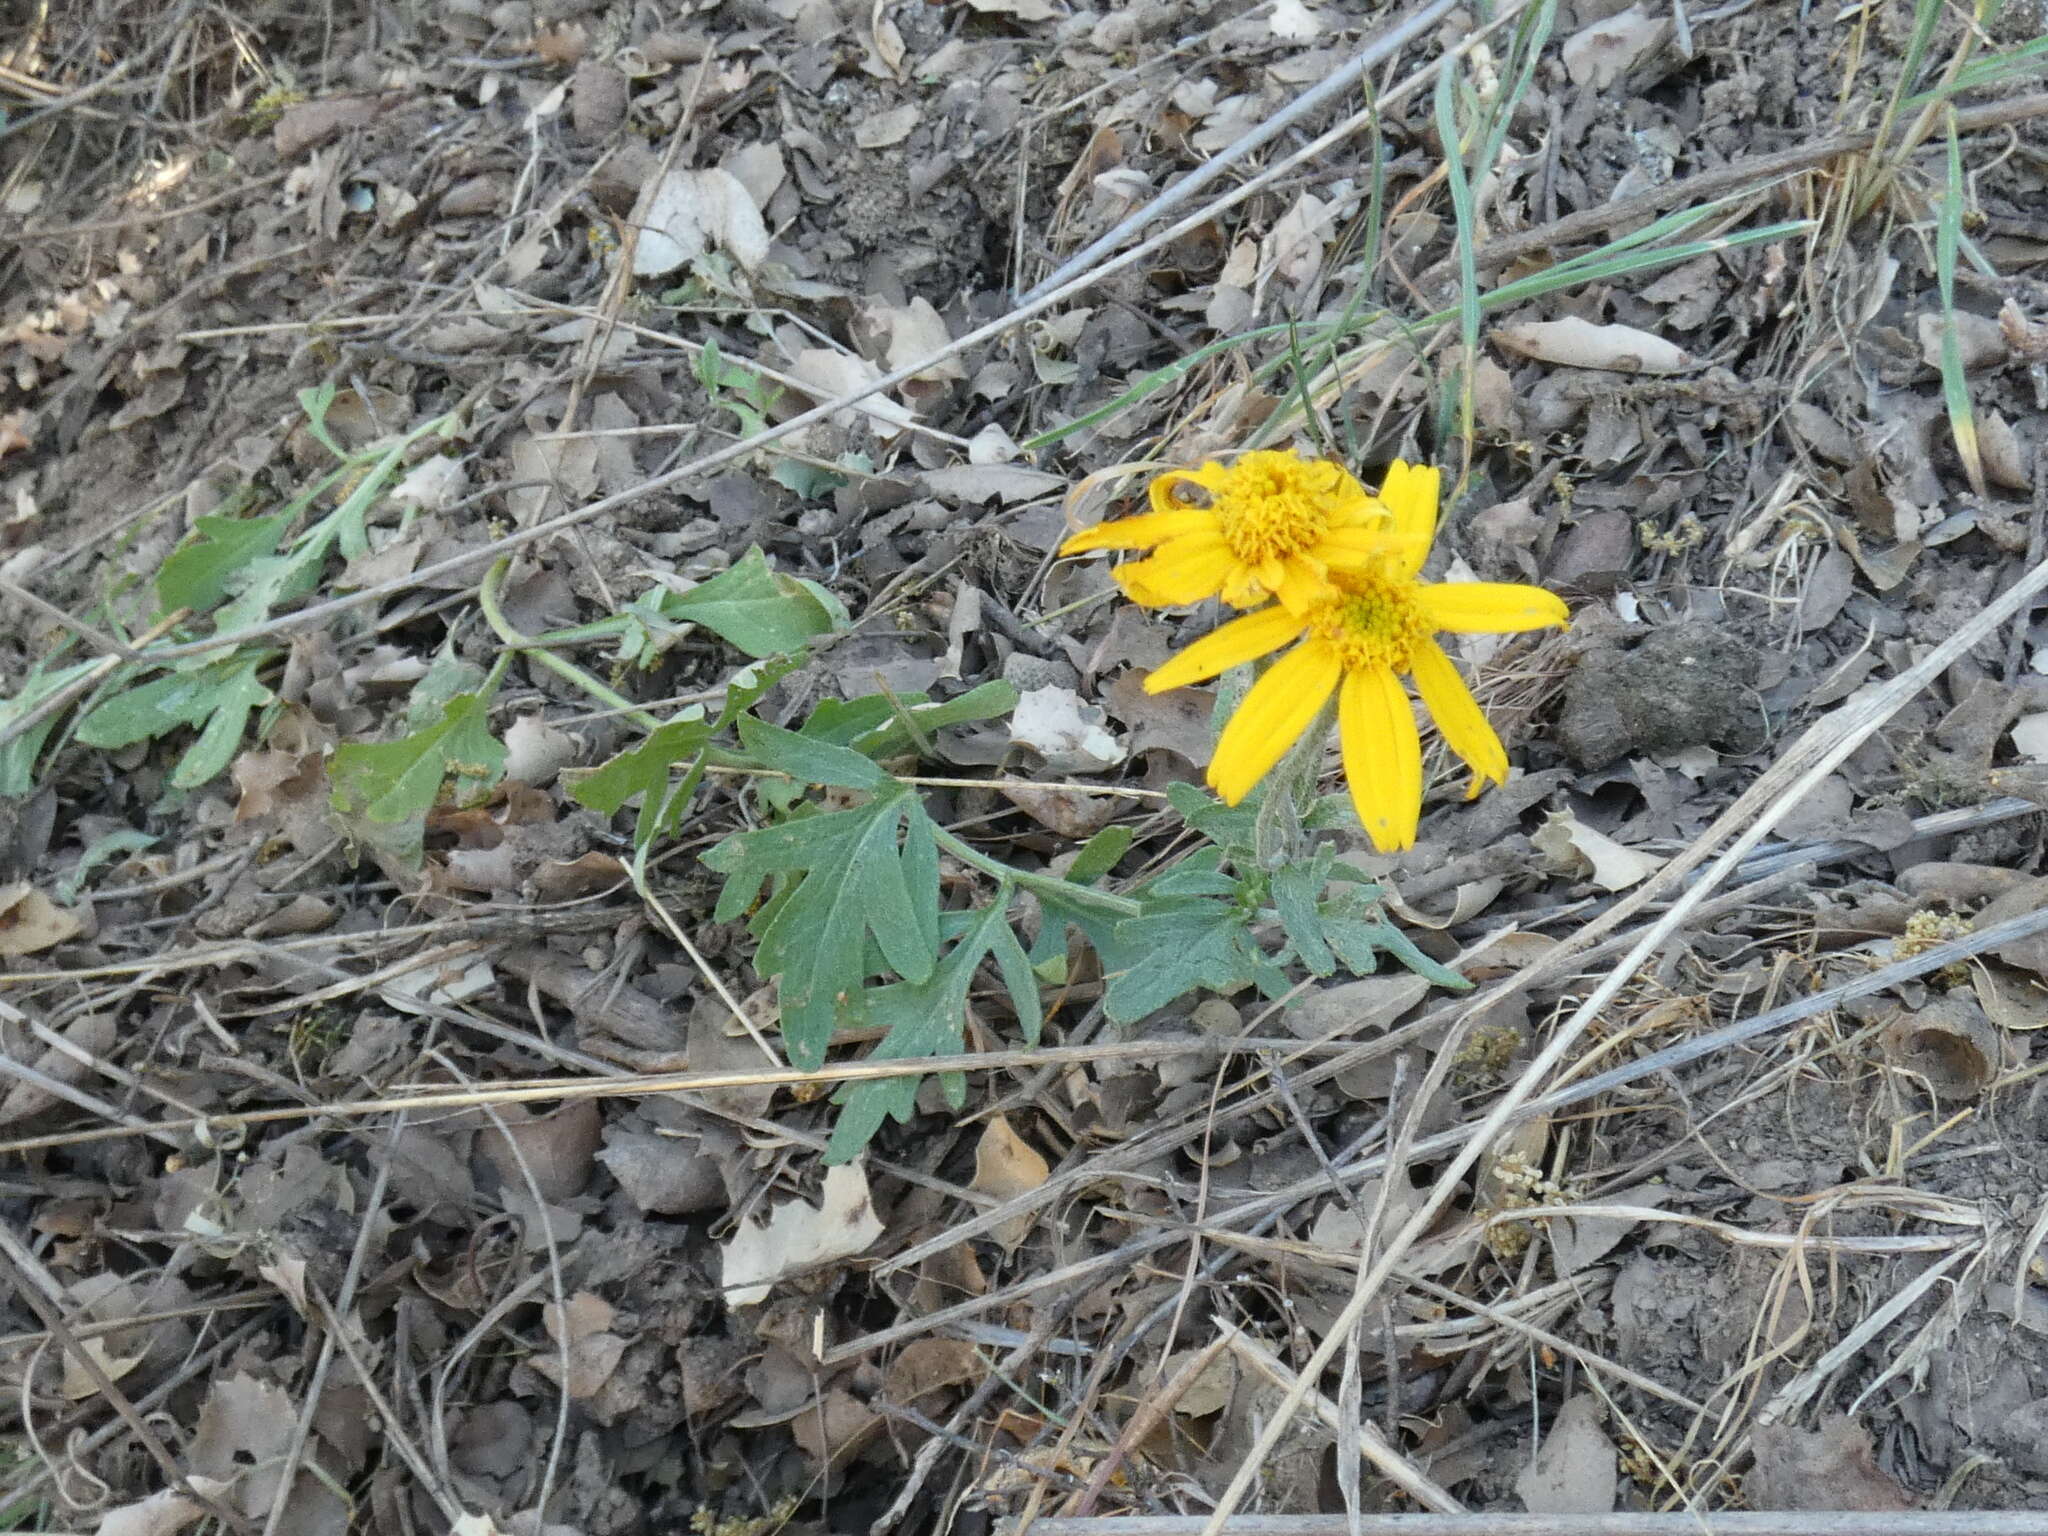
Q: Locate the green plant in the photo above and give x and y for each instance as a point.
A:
(229, 576)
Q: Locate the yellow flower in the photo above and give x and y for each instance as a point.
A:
(1359, 643)
(1275, 525)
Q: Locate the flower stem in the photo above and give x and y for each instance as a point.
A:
(1291, 793)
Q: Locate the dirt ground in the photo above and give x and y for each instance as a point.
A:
(288, 1248)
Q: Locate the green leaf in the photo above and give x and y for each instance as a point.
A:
(217, 698)
(316, 402)
(808, 481)
(121, 840)
(209, 756)
(1359, 939)
(197, 573)
(1178, 945)
(18, 756)
(1100, 854)
(925, 1018)
(755, 609)
(849, 881)
(1225, 826)
(1295, 889)
(399, 781)
(808, 761)
(645, 771)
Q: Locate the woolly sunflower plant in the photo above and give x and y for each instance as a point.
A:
(1269, 525)
(1353, 617)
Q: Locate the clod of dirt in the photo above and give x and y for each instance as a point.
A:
(1687, 685)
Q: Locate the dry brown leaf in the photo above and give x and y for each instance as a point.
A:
(78, 1381)
(1576, 343)
(824, 373)
(1005, 1166)
(833, 1429)
(1210, 1390)
(311, 124)
(688, 213)
(1600, 54)
(161, 1514)
(798, 1236)
(1068, 812)
(1575, 850)
(30, 922)
(535, 751)
(931, 1365)
(1070, 735)
(1829, 1468)
(1574, 1469)
(244, 1430)
(1950, 1043)
(580, 1324)
(885, 128)
(559, 1148)
(1579, 1242)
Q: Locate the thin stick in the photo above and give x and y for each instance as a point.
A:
(1708, 185)
(1339, 80)
(1808, 761)
(1372, 1444)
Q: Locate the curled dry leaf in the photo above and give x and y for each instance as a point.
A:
(1572, 848)
(1600, 54)
(798, 1236)
(581, 1326)
(688, 213)
(1070, 736)
(1576, 343)
(163, 1513)
(30, 922)
(931, 1365)
(559, 1148)
(1950, 1043)
(823, 373)
(535, 751)
(1005, 1166)
(1068, 812)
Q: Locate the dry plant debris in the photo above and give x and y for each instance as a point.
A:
(608, 922)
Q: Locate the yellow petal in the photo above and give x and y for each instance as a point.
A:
(1242, 587)
(1409, 494)
(1281, 705)
(1182, 571)
(1209, 477)
(1239, 641)
(1305, 584)
(1458, 716)
(1140, 532)
(1489, 607)
(1382, 756)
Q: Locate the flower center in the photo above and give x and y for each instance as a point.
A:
(1374, 624)
(1272, 506)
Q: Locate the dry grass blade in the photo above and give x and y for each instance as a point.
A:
(1804, 764)
(1347, 76)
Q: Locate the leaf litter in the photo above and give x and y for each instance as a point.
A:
(323, 307)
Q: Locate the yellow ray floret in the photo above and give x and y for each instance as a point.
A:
(1267, 525)
(1375, 626)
